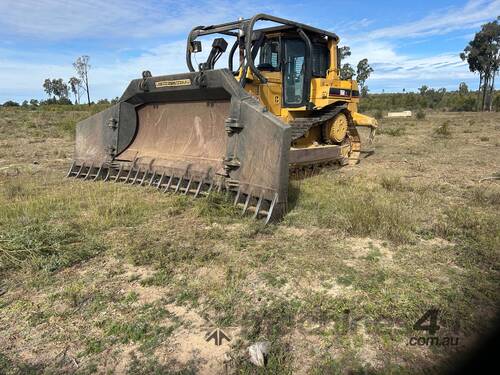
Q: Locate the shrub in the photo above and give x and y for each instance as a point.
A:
(11, 103)
(64, 101)
(443, 130)
(461, 103)
(420, 114)
(378, 114)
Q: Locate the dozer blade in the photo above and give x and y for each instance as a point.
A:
(191, 134)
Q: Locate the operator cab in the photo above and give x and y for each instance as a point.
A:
(298, 52)
(288, 55)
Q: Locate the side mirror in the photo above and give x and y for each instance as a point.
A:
(195, 46)
(219, 44)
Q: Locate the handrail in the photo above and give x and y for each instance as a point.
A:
(246, 26)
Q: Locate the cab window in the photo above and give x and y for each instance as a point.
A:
(320, 60)
(269, 55)
(294, 72)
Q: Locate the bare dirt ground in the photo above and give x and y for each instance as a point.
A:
(106, 278)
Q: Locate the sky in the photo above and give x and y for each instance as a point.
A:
(408, 43)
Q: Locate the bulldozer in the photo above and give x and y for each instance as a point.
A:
(279, 106)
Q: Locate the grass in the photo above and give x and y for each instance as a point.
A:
(393, 132)
(152, 366)
(355, 207)
(485, 196)
(443, 130)
(125, 279)
(50, 228)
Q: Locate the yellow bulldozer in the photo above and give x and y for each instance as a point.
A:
(278, 106)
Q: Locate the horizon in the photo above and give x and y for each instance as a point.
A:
(42, 40)
(110, 99)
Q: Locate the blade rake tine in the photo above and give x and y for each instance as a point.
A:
(108, 174)
(160, 180)
(143, 177)
(227, 194)
(71, 169)
(179, 184)
(221, 187)
(98, 173)
(237, 198)
(169, 183)
(247, 201)
(188, 186)
(199, 188)
(119, 173)
(129, 174)
(88, 172)
(152, 178)
(257, 208)
(271, 208)
(136, 175)
(79, 171)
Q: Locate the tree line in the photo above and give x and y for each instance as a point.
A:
(460, 100)
(58, 90)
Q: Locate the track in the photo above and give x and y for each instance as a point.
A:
(300, 126)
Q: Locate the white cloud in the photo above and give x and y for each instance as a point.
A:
(349, 25)
(472, 15)
(66, 19)
(396, 69)
(23, 80)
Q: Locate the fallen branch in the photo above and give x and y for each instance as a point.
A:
(495, 176)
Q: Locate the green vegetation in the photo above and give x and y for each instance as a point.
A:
(426, 98)
(102, 277)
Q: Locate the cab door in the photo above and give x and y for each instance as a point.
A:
(270, 67)
(294, 73)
